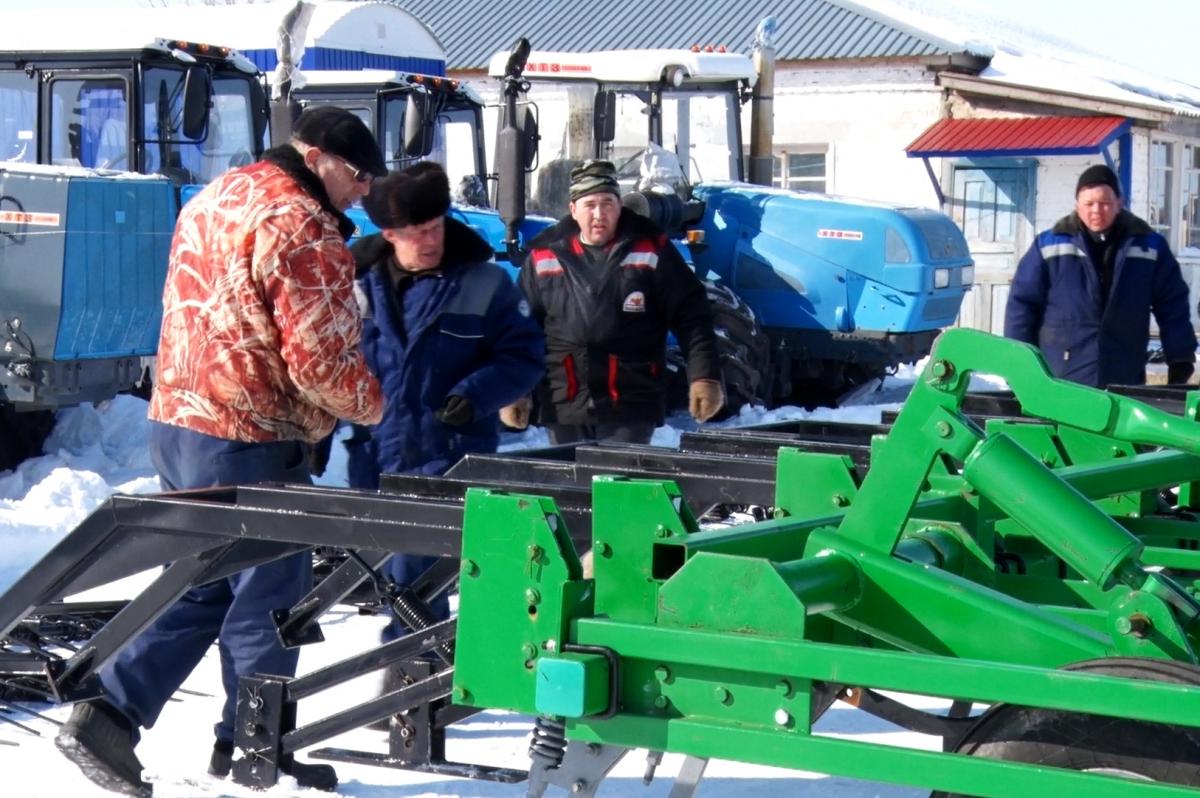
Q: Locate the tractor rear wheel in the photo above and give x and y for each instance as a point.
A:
(1132, 749)
(743, 347)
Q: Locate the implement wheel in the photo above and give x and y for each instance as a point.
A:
(1131, 749)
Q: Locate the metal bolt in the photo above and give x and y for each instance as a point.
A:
(535, 551)
(253, 729)
(461, 694)
(784, 688)
(839, 500)
(943, 429)
(782, 718)
(529, 650)
(661, 702)
(942, 369)
(1118, 451)
(602, 548)
(406, 731)
(593, 749)
(722, 695)
(661, 531)
(663, 674)
(532, 597)
(255, 702)
(1137, 625)
(469, 568)
(579, 786)
(779, 512)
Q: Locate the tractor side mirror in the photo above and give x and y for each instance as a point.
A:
(259, 110)
(418, 126)
(529, 131)
(197, 100)
(604, 116)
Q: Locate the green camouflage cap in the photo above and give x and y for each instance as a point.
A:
(592, 177)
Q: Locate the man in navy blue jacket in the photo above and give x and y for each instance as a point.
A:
(446, 331)
(1085, 290)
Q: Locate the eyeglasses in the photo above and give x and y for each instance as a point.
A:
(359, 175)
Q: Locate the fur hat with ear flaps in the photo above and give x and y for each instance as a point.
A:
(410, 196)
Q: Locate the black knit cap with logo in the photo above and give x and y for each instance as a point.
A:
(592, 177)
(410, 196)
(1098, 175)
(337, 131)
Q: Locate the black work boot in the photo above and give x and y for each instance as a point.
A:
(99, 739)
(316, 777)
(221, 760)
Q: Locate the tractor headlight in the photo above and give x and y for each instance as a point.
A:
(941, 278)
(968, 275)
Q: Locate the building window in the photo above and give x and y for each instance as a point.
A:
(799, 168)
(1175, 193)
(1161, 179)
(1191, 196)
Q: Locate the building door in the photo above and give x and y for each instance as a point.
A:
(993, 207)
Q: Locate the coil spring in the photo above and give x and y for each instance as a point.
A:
(415, 614)
(548, 744)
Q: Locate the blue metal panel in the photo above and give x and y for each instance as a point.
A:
(332, 58)
(806, 262)
(118, 237)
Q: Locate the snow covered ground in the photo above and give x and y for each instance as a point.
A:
(96, 451)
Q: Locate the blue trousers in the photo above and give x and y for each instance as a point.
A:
(234, 611)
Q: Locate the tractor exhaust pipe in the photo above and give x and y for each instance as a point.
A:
(762, 104)
(289, 49)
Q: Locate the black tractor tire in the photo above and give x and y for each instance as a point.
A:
(22, 435)
(1078, 741)
(743, 347)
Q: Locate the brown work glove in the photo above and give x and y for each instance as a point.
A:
(705, 398)
(516, 415)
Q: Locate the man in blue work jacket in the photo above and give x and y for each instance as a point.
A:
(1085, 290)
(448, 334)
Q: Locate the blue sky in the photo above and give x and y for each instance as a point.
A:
(1158, 35)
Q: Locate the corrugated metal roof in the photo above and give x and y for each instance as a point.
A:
(474, 30)
(1035, 135)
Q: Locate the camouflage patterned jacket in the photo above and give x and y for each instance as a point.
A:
(260, 332)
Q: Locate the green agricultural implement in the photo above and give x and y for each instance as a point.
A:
(1031, 560)
(1034, 566)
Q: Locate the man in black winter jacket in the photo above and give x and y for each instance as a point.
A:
(606, 285)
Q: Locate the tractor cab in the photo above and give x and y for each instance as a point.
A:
(662, 116)
(184, 110)
(414, 117)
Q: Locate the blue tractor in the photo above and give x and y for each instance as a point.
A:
(812, 295)
(83, 243)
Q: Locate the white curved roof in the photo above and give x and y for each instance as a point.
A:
(368, 26)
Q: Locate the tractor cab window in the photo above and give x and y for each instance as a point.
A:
(89, 123)
(700, 127)
(18, 117)
(456, 138)
(227, 141)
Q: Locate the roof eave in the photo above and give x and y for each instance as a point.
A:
(1015, 91)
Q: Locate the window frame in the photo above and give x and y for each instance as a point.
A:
(780, 155)
(1183, 191)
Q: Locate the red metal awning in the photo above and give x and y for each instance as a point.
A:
(1037, 135)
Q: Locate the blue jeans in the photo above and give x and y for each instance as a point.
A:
(235, 610)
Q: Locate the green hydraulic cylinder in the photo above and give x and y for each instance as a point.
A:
(829, 582)
(1080, 533)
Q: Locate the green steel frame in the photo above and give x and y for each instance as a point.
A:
(972, 563)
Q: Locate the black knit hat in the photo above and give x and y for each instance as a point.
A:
(1098, 175)
(340, 132)
(414, 195)
(592, 177)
